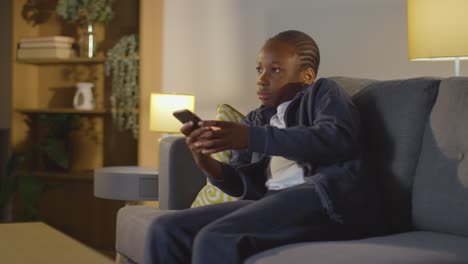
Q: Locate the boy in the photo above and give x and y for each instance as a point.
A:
(297, 167)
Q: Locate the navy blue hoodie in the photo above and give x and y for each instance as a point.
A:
(323, 135)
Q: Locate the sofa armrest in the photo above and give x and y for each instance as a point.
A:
(180, 179)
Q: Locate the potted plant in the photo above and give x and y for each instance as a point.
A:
(53, 145)
(27, 188)
(86, 13)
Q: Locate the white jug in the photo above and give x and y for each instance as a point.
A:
(83, 99)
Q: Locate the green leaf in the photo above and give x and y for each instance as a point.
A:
(8, 188)
(30, 189)
(56, 151)
(13, 162)
(8, 183)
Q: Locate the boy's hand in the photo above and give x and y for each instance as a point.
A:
(211, 167)
(193, 135)
(223, 136)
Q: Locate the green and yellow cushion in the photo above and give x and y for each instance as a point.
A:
(210, 194)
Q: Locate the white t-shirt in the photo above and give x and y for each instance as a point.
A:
(283, 172)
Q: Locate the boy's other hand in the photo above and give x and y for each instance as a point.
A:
(222, 136)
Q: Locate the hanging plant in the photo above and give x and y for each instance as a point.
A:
(122, 64)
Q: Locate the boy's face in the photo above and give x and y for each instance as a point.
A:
(279, 75)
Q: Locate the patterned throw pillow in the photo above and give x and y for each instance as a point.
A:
(210, 194)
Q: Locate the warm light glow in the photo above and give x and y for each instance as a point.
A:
(161, 108)
(437, 29)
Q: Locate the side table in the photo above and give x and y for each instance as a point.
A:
(127, 183)
(131, 184)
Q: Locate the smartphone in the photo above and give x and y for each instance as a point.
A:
(186, 116)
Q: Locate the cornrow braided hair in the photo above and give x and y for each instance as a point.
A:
(306, 48)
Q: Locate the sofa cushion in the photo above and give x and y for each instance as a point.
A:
(407, 248)
(132, 226)
(440, 196)
(394, 115)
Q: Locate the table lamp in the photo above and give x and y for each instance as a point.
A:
(438, 30)
(161, 108)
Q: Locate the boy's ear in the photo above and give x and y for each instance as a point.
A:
(308, 75)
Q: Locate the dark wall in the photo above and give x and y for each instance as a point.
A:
(4, 148)
(5, 214)
(6, 26)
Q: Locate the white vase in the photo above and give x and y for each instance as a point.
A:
(84, 99)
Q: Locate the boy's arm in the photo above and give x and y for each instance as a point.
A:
(221, 175)
(333, 135)
(231, 182)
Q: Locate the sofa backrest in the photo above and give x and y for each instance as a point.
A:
(440, 195)
(394, 115)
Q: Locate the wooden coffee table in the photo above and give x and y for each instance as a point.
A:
(39, 243)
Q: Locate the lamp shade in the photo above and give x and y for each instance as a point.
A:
(437, 29)
(162, 106)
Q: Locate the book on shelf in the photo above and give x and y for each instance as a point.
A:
(44, 44)
(54, 39)
(45, 53)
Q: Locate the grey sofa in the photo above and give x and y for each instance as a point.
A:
(416, 132)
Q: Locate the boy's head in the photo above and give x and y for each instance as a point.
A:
(286, 63)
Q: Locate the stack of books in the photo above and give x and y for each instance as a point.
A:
(53, 47)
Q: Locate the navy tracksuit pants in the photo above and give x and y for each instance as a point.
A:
(230, 232)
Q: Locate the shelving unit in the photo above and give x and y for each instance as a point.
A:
(61, 111)
(46, 87)
(62, 61)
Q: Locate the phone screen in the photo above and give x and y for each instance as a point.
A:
(186, 116)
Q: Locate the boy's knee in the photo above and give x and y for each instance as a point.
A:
(206, 245)
(218, 244)
(162, 224)
(217, 235)
(207, 237)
